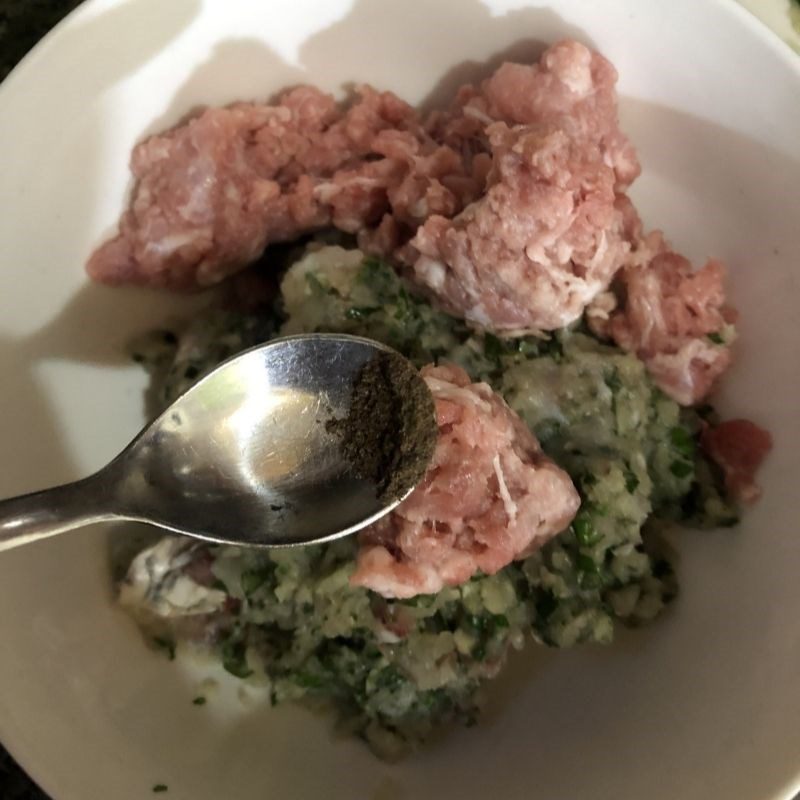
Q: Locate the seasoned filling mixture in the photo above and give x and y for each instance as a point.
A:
(568, 351)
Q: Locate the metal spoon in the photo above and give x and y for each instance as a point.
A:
(243, 457)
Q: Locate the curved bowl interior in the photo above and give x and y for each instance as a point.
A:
(703, 704)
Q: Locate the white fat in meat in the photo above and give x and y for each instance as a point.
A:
(157, 582)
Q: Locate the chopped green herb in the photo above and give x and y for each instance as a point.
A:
(167, 645)
(253, 579)
(360, 312)
(420, 600)
(495, 348)
(234, 658)
(681, 469)
(612, 380)
(527, 348)
(403, 305)
(477, 622)
(479, 651)
(371, 267)
(716, 338)
(309, 681)
(160, 787)
(631, 481)
(199, 701)
(585, 531)
(682, 441)
(317, 287)
(586, 563)
(237, 668)
(435, 699)
(390, 678)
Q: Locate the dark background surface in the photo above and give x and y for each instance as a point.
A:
(22, 24)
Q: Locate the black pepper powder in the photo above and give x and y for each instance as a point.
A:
(389, 433)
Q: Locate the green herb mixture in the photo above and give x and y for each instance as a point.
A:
(395, 671)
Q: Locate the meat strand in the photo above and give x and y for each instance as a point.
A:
(673, 318)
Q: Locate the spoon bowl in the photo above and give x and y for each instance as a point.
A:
(245, 457)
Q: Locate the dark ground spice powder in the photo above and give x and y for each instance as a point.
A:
(389, 433)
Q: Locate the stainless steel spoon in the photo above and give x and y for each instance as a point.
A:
(243, 457)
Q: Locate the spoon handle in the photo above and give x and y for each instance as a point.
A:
(38, 515)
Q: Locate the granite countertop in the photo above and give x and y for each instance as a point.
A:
(24, 22)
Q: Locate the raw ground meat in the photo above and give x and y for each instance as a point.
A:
(490, 496)
(739, 447)
(571, 87)
(674, 319)
(547, 237)
(212, 193)
(539, 246)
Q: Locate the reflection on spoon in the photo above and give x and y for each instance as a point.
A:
(250, 455)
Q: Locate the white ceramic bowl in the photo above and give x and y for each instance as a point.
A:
(705, 704)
